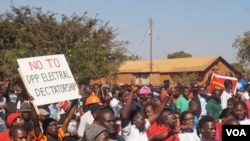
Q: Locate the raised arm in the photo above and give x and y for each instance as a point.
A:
(69, 115)
(126, 108)
(158, 110)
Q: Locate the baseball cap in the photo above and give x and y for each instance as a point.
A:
(12, 117)
(43, 112)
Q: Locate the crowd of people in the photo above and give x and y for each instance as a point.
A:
(128, 112)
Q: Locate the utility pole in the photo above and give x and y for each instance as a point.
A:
(150, 34)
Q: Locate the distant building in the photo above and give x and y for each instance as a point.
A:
(164, 69)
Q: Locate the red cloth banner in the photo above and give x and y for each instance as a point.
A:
(217, 81)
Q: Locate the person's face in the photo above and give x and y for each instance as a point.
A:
(172, 90)
(194, 108)
(20, 135)
(143, 97)
(186, 92)
(52, 128)
(230, 105)
(123, 98)
(104, 136)
(230, 87)
(176, 93)
(195, 88)
(19, 121)
(216, 96)
(188, 120)
(170, 119)
(115, 95)
(240, 112)
(238, 76)
(202, 91)
(108, 121)
(87, 90)
(225, 119)
(149, 110)
(96, 87)
(139, 121)
(11, 87)
(18, 89)
(208, 130)
(26, 115)
(149, 97)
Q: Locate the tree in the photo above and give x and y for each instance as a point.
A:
(87, 43)
(185, 77)
(238, 67)
(179, 54)
(243, 46)
(132, 58)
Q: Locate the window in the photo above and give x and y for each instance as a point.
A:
(141, 79)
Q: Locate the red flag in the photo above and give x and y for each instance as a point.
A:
(217, 81)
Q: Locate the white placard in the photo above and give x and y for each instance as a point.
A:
(48, 79)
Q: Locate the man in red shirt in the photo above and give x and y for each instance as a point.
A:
(12, 119)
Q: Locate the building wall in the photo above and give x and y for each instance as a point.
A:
(154, 79)
(166, 76)
(222, 68)
(124, 78)
(157, 79)
(169, 76)
(218, 68)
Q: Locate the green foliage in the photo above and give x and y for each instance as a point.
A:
(241, 68)
(185, 77)
(132, 58)
(238, 67)
(243, 46)
(179, 54)
(88, 43)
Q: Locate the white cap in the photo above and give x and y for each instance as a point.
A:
(43, 112)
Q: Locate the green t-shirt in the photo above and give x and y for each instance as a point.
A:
(182, 103)
(213, 108)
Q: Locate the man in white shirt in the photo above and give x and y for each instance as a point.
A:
(203, 100)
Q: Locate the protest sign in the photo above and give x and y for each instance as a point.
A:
(217, 81)
(48, 79)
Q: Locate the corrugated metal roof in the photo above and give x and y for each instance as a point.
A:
(169, 65)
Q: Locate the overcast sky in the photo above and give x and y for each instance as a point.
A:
(198, 27)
